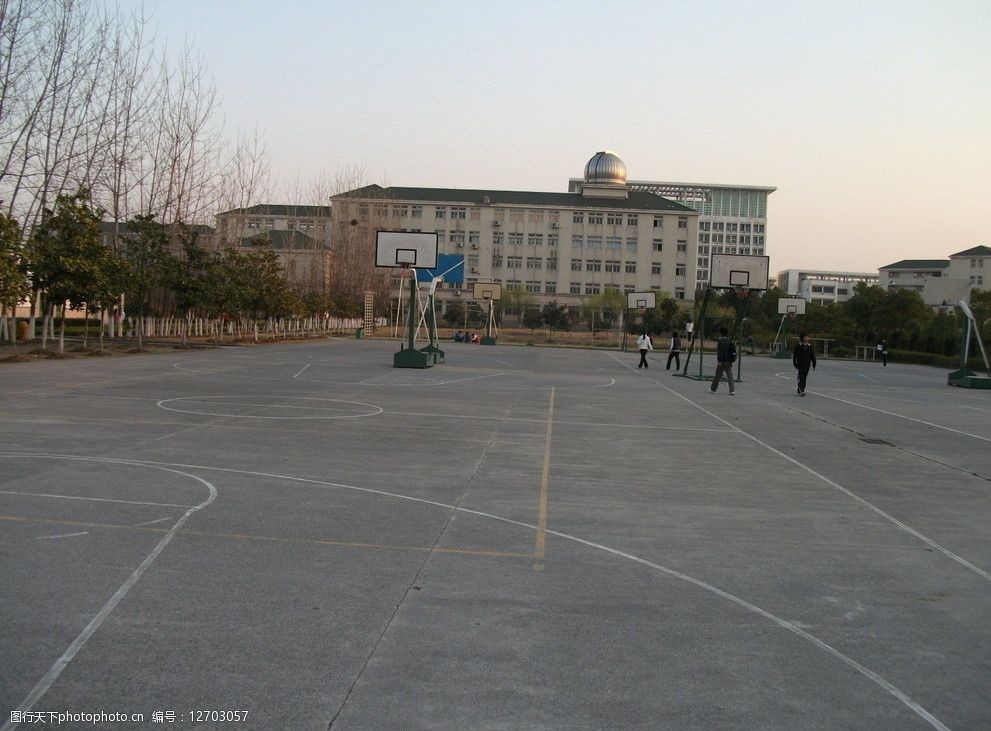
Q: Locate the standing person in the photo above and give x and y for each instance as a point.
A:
(644, 344)
(882, 350)
(674, 352)
(689, 328)
(803, 358)
(725, 357)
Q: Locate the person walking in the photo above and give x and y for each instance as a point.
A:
(725, 357)
(882, 350)
(644, 344)
(803, 358)
(675, 351)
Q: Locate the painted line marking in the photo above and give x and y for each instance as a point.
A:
(55, 670)
(558, 422)
(94, 499)
(848, 661)
(540, 548)
(152, 522)
(62, 535)
(890, 518)
(218, 400)
(296, 375)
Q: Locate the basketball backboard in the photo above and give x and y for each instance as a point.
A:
(406, 249)
(791, 306)
(641, 300)
(738, 271)
(945, 292)
(487, 291)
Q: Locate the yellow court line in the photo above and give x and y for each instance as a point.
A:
(540, 548)
(275, 539)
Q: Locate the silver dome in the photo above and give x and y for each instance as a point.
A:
(605, 167)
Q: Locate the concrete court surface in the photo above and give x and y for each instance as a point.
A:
(520, 538)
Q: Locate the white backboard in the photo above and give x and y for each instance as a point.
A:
(729, 271)
(791, 306)
(406, 248)
(487, 291)
(641, 300)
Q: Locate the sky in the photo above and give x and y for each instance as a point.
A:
(872, 118)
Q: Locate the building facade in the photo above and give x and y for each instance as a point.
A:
(822, 285)
(732, 218)
(911, 273)
(973, 265)
(604, 235)
(299, 235)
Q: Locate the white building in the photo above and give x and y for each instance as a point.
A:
(558, 246)
(973, 265)
(732, 218)
(911, 273)
(817, 285)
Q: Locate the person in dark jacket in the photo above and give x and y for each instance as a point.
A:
(803, 358)
(675, 351)
(725, 357)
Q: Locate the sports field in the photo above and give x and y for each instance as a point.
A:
(519, 538)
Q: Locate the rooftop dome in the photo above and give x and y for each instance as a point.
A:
(605, 167)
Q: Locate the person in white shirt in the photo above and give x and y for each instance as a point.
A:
(644, 344)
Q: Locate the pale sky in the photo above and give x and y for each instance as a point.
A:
(872, 119)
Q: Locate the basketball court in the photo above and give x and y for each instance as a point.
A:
(514, 538)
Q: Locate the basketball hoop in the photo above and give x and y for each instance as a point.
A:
(742, 293)
(405, 273)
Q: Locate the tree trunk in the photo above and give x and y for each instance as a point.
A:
(61, 333)
(44, 330)
(86, 327)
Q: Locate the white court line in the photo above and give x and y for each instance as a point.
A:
(152, 522)
(908, 529)
(296, 375)
(63, 535)
(94, 499)
(202, 399)
(872, 380)
(94, 624)
(556, 421)
(901, 416)
(784, 624)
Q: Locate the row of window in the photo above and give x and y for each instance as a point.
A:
(745, 239)
(578, 288)
(731, 227)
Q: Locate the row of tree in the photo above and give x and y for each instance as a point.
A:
(65, 263)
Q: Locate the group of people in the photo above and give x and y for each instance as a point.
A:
(466, 337)
(803, 357)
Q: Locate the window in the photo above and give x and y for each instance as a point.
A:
(441, 212)
(416, 211)
(551, 263)
(679, 271)
(554, 216)
(474, 237)
(730, 238)
(534, 262)
(658, 221)
(731, 227)
(595, 242)
(497, 261)
(679, 293)
(535, 216)
(682, 221)
(514, 262)
(473, 261)
(269, 224)
(973, 263)
(497, 238)
(457, 238)
(612, 266)
(703, 238)
(550, 287)
(704, 226)
(474, 214)
(631, 220)
(535, 239)
(577, 241)
(575, 288)
(631, 267)
(631, 243)
(682, 247)
(400, 211)
(595, 217)
(658, 245)
(655, 268)
(552, 239)
(758, 228)
(702, 262)
(499, 214)
(516, 215)
(614, 219)
(745, 228)
(363, 211)
(381, 211)
(628, 288)
(591, 288)
(614, 242)
(252, 224)
(701, 276)
(516, 239)
(578, 217)
(576, 265)
(842, 291)
(593, 265)
(533, 287)
(457, 212)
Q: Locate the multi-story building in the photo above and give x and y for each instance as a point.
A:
(558, 246)
(817, 285)
(732, 218)
(973, 265)
(299, 235)
(911, 273)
